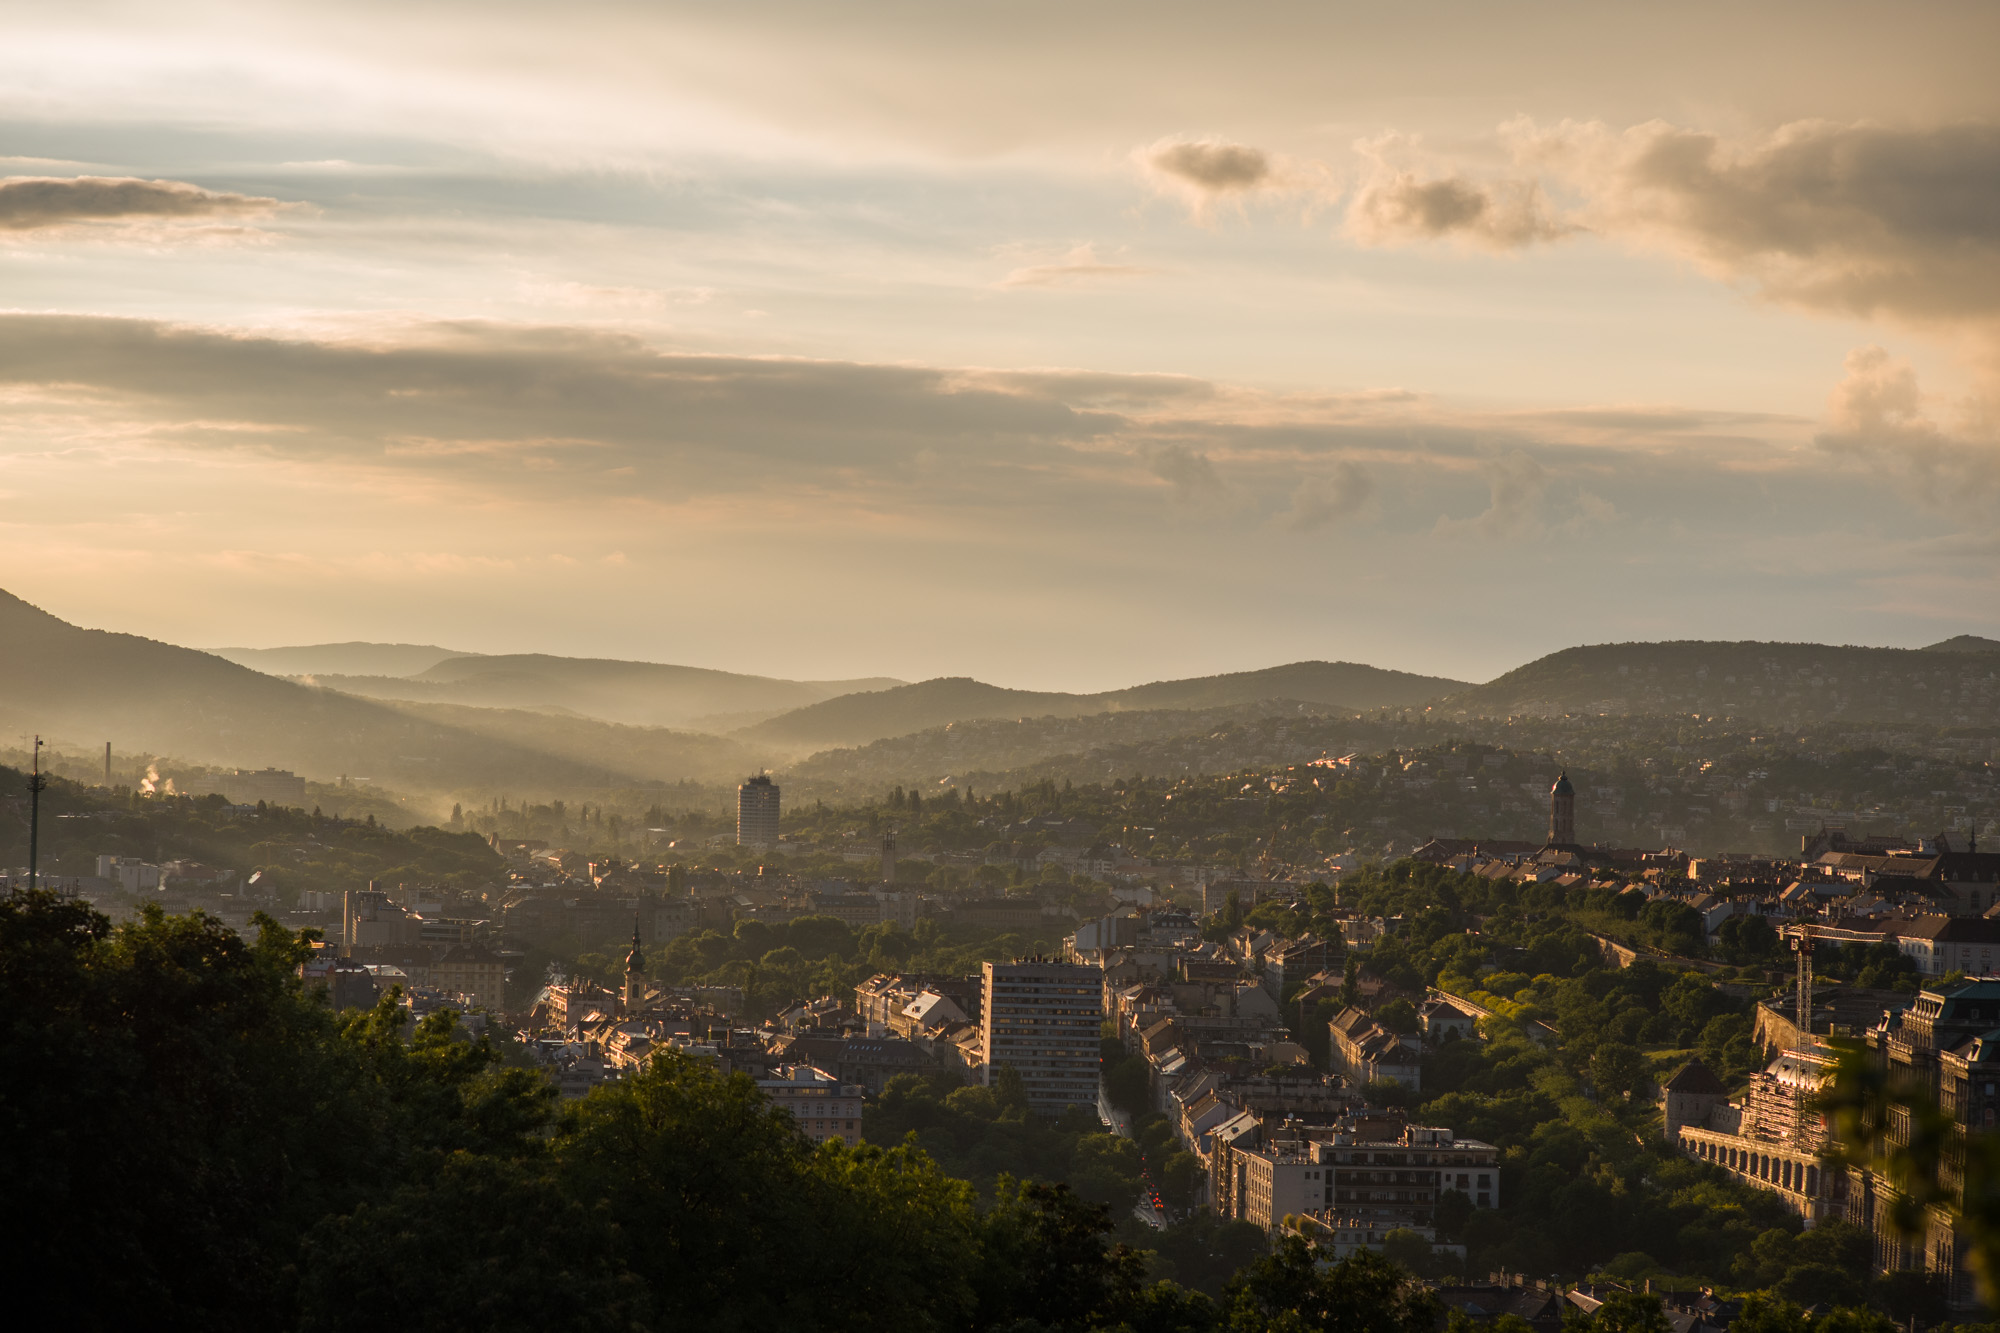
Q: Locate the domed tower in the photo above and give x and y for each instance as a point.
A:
(1562, 812)
(635, 973)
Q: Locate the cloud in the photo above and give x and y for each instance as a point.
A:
(1211, 166)
(480, 414)
(1876, 416)
(1191, 474)
(1852, 219)
(1320, 500)
(557, 411)
(1515, 483)
(1080, 266)
(1847, 219)
(616, 298)
(1000, 498)
(1499, 215)
(1395, 204)
(1205, 173)
(32, 203)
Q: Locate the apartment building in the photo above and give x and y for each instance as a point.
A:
(1368, 1053)
(1361, 1185)
(1044, 1018)
(757, 813)
(821, 1105)
(474, 972)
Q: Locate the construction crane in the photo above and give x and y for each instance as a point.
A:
(1802, 945)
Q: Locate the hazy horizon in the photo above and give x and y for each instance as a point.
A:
(504, 652)
(1062, 349)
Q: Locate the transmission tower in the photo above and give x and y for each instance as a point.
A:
(38, 782)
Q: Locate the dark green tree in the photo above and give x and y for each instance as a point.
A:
(1047, 1259)
(1290, 1291)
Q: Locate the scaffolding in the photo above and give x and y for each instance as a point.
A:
(1779, 1106)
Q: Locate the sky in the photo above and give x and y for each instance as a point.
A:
(1062, 346)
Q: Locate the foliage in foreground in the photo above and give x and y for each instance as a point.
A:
(189, 1141)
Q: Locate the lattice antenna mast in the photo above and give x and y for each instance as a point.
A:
(38, 782)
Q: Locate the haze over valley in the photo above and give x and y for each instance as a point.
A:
(1050, 668)
(469, 730)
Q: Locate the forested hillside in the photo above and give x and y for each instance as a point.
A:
(1777, 683)
(649, 694)
(861, 718)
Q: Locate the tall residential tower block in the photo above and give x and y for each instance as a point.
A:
(757, 813)
(1046, 1020)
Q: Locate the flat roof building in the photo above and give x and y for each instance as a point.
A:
(821, 1105)
(1045, 1019)
(757, 813)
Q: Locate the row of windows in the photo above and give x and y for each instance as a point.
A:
(1414, 1159)
(1071, 993)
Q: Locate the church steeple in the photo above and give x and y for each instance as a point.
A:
(1562, 812)
(635, 973)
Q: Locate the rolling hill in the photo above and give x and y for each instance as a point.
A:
(1155, 742)
(1964, 643)
(647, 694)
(84, 687)
(858, 719)
(1948, 684)
(356, 659)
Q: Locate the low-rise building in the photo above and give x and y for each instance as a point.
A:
(473, 971)
(1367, 1052)
(867, 1061)
(822, 1106)
(1407, 1176)
(1273, 1183)
(1939, 945)
(1292, 961)
(1369, 1186)
(1446, 1018)
(348, 984)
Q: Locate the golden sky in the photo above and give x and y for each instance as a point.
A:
(1065, 346)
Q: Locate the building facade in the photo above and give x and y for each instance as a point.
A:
(273, 786)
(757, 813)
(1406, 1178)
(1045, 1019)
(1366, 1052)
(1947, 1045)
(822, 1106)
(474, 972)
(1361, 1188)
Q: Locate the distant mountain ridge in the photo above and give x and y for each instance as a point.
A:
(85, 686)
(1944, 685)
(1963, 643)
(468, 725)
(352, 659)
(858, 719)
(647, 694)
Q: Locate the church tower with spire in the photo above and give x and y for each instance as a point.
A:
(1562, 812)
(635, 975)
